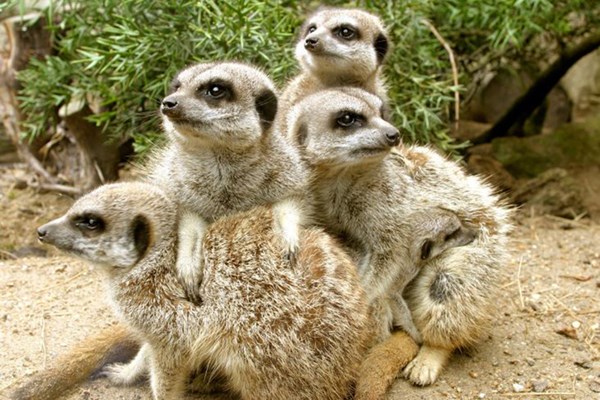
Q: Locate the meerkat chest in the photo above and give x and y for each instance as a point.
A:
(373, 212)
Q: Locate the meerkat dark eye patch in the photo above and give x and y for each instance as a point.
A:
(266, 107)
(347, 119)
(381, 47)
(346, 32)
(89, 223)
(311, 28)
(216, 90)
(140, 229)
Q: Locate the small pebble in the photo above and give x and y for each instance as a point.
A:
(473, 374)
(540, 386)
(518, 388)
(576, 324)
(481, 395)
(530, 361)
(61, 268)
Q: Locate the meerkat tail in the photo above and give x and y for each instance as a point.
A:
(382, 365)
(113, 344)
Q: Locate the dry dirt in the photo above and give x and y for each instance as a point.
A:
(545, 343)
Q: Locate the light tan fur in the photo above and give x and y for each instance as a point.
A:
(274, 330)
(370, 194)
(328, 59)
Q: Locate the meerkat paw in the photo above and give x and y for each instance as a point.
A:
(426, 366)
(121, 374)
(288, 218)
(127, 374)
(189, 254)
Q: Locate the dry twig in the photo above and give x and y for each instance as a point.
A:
(447, 47)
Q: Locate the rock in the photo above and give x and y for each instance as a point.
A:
(540, 386)
(518, 388)
(501, 89)
(492, 170)
(568, 331)
(582, 83)
(554, 192)
(530, 362)
(572, 145)
(468, 130)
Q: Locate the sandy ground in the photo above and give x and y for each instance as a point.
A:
(545, 343)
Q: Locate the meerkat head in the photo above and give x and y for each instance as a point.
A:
(436, 230)
(113, 226)
(341, 128)
(342, 45)
(227, 104)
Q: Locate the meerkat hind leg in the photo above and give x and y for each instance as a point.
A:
(426, 366)
(130, 373)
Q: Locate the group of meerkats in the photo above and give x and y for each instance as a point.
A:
(286, 248)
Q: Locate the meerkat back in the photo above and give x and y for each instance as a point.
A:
(290, 329)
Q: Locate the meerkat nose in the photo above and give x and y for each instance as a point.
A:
(41, 231)
(311, 43)
(393, 137)
(169, 104)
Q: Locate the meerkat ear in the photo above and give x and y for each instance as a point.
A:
(381, 46)
(140, 228)
(301, 134)
(266, 106)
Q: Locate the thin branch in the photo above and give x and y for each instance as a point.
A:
(448, 49)
(53, 187)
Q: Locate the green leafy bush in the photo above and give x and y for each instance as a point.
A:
(124, 52)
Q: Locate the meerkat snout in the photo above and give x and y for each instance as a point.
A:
(41, 232)
(310, 44)
(168, 104)
(393, 136)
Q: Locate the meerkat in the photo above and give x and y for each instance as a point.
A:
(337, 47)
(222, 155)
(368, 192)
(274, 331)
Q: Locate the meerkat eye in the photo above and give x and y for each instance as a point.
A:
(311, 29)
(348, 119)
(89, 222)
(346, 32)
(216, 91)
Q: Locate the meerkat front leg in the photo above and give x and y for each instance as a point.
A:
(288, 217)
(402, 318)
(130, 373)
(189, 253)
